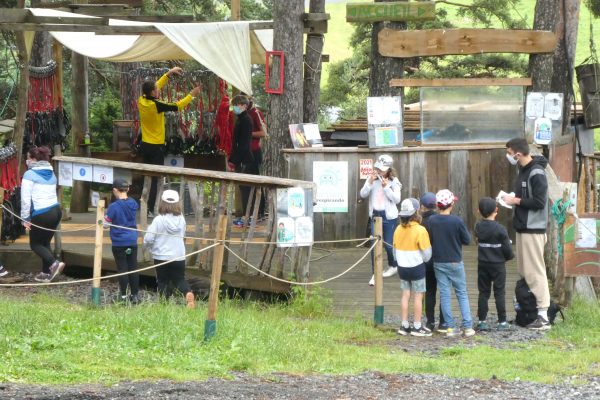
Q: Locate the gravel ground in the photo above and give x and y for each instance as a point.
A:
(282, 386)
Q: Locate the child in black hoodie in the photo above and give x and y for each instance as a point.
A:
(494, 249)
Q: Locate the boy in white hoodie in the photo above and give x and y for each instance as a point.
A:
(166, 243)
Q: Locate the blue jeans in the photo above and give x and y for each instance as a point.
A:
(451, 275)
(388, 227)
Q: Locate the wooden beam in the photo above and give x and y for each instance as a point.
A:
(67, 20)
(121, 3)
(390, 11)
(437, 42)
(453, 82)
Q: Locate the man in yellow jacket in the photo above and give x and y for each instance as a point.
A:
(152, 122)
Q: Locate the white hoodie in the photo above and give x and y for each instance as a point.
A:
(164, 237)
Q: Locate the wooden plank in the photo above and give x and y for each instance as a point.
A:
(458, 175)
(438, 42)
(454, 82)
(390, 11)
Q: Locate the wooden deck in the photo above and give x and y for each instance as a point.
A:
(350, 293)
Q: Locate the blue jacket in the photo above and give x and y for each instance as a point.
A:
(122, 213)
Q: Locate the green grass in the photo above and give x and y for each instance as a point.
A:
(48, 341)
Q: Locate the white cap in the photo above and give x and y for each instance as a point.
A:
(384, 162)
(170, 196)
(408, 207)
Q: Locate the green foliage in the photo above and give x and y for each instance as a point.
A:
(103, 109)
(310, 302)
(594, 7)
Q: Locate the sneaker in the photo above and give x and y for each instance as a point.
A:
(238, 222)
(3, 271)
(372, 281)
(43, 277)
(134, 299)
(390, 271)
(503, 326)
(189, 300)
(422, 331)
(442, 329)
(56, 268)
(430, 327)
(482, 326)
(121, 299)
(468, 332)
(453, 332)
(404, 331)
(540, 324)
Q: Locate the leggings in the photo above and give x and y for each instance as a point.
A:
(171, 273)
(126, 260)
(39, 239)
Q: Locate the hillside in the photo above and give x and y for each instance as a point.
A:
(338, 38)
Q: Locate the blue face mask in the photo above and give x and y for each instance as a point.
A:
(237, 110)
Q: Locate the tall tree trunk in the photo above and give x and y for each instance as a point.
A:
(41, 52)
(383, 69)
(312, 67)
(553, 72)
(287, 108)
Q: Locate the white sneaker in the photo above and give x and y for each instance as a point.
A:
(390, 271)
(372, 281)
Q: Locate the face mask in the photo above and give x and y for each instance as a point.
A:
(28, 163)
(237, 110)
(511, 159)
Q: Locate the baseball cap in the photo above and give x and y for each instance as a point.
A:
(428, 200)
(120, 184)
(384, 162)
(487, 206)
(445, 197)
(408, 207)
(170, 196)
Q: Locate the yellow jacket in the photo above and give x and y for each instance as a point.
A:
(152, 114)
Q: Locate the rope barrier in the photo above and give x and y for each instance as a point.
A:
(47, 229)
(301, 283)
(107, 276)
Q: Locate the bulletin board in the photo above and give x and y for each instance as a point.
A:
(581, 250)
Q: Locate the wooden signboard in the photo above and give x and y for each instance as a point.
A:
(438, 42)
(390, 11)
(581, 250)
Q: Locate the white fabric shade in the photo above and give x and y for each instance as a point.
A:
(226, 48)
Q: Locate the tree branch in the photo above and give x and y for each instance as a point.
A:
(450, 3)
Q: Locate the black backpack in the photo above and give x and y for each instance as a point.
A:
(526, 307)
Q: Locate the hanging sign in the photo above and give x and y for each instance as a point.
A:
(331, 178)
(102, 174)
(542, 133)
(294, 217)
(65, 174)
(553, 104)
(535, 105)
(82, 172)
(390, 11)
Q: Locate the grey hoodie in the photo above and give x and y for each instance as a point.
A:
(164, 237)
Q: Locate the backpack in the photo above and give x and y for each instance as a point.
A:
(526, 307)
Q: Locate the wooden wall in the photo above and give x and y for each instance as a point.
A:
(470, 171)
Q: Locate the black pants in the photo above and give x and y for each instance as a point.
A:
(169, 275)
(125, 263)
(488, 275)
(39, 239)
(252, 168)
(153, 154)
(430, 294)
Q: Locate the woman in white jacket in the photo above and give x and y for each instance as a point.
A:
(166, 243)
(383, 190)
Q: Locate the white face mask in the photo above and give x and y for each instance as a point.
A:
(511, 159)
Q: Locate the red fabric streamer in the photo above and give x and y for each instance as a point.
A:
(223, 128)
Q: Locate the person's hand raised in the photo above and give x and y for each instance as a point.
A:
(175, 70)
(195, 91)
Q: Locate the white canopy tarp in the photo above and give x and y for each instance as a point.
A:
(226, 48)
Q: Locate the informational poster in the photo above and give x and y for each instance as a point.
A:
(542, 133)
(365, 168)
(102, 174)
(535, 105)
(384, 121)
(305, 135)
(174, 161)
(82, 172)
(586, 233)
(553, 105)
(65, 174)
(331, 178)
(294, 217)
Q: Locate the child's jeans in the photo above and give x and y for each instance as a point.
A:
(452, 275)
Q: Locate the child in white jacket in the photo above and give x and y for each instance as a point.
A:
(166, 242)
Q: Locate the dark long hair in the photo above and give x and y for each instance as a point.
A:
(148, 88)
(41, 153)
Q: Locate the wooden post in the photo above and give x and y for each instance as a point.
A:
(98, 253)
(235, 10)
(312, 67)
(210, 324)
(378, 232)
(22, 93)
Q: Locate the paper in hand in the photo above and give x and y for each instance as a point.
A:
(501, 201)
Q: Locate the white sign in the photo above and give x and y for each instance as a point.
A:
(173, 161)
(586, 233)
(331, 178)
(384, 110)
(535, 105)
(553, 104)
(103, 174)
(365, 167)
(82, 172)
(296, 202)
(542, 131)
(286, 232)
(304, 231)
(65, 174)
(94, 198)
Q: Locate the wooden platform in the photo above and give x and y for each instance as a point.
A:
(350, 293)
